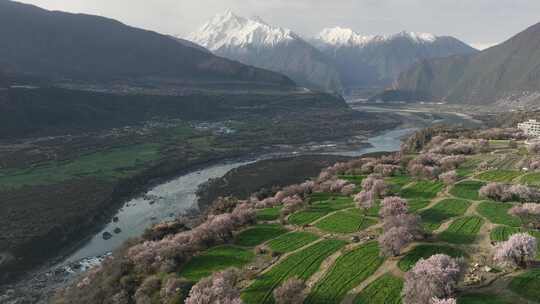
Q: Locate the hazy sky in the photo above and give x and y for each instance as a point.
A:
(478, 22)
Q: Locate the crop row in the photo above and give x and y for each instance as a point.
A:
(302, 265)
(346, 273)
(463, 230)
(443, 210)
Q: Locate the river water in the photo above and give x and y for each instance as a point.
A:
(177, 196)
(166, 201)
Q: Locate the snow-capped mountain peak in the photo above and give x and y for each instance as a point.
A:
(229, 30)
(340, 36)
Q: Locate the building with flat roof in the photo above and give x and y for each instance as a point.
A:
(530, 128)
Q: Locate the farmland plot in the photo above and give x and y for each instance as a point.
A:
(467, 190)
(346, 221)
(291, 241)
(462, 230)
(527, 285)
(384, 290)
(302, 264)
(442, 211)
(348, 271)
(319, 209)
(259, 234)
(503, 176)
(422, 190)
(497, 213)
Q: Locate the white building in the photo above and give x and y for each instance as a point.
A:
(531, 127)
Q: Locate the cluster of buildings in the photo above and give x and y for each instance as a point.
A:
(530, 127)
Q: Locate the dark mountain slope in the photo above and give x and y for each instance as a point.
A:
(507, 72)
(83, 47)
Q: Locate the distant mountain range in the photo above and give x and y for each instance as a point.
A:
(333, 59)
(257, 43)
(63, 46)
(507, 74)
(374, 61)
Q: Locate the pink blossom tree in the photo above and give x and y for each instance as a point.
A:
(435, 277)
(393, 206)
(449, 178)
(393, 240)
(219, 288)
(364, 199)
(518, 251)
(291, 292)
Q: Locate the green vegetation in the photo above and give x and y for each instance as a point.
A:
(462, 230)
(347, 272)
(422, 190)
(497, 213)
(417, 204)
(384, 290)
(481, 299)
(527, 285)
(215, 259)
(467, 168)
(268, 214)
(107, 165)
(397, 183)
(502, 233)
(467, 190)
(442, 211)
(320, 209)
(346, 221)
(503, 176)
(259, 234)
(425, 251)
(291, 241)
(531, 179)
(301, 264)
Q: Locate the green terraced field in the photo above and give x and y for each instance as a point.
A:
(397, 183)
(346, 273)
(291, 241)
(320, 209)
(422, 190)
(503, 176)
(481, 299)
(527, 285)
(442, 211)
(302, 264)
(259, 234)
(268, 214)
(384, 290)
(346, 221)
(425, 251)
(497, 213)
(467, 190)
(462, 230)
(417, 204)
(215, 259)
(532, 179)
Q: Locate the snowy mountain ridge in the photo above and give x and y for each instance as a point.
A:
(339, 36)
(230, 30)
